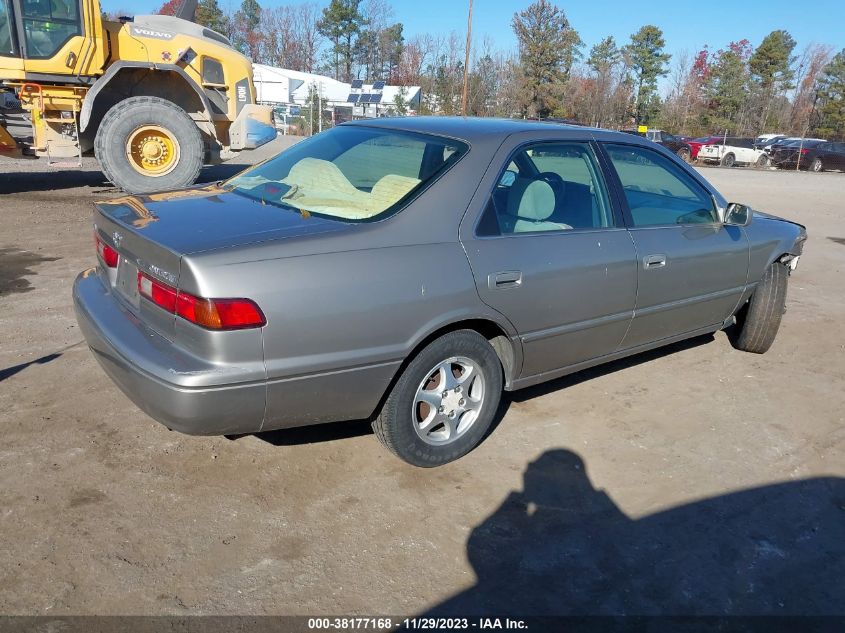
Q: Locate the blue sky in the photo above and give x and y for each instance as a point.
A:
(686, 25)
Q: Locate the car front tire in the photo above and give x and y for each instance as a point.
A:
(817, 165)
(758, 321)
(444, 401)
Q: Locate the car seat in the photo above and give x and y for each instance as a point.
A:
(530, 205)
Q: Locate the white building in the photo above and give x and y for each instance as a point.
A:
(280, 85)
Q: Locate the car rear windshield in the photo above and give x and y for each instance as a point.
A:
(351, 173)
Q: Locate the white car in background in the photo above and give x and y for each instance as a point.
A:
(734, 151)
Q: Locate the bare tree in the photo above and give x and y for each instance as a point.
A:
(812, 62)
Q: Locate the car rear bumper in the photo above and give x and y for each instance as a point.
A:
(144, 365)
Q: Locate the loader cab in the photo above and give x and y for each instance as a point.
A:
(50, 37)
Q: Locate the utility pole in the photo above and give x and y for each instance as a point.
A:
(466, 63)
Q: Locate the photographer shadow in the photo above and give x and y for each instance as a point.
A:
(561, 547)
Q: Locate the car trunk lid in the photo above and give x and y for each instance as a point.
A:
(152, 233)
(210, 217)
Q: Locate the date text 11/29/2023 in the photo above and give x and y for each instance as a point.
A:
(415, 624)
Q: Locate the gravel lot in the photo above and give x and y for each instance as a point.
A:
(694, 479)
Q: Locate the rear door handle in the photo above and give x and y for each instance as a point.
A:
(504, 279)
(654, 261)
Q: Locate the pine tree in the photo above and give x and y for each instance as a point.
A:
(548, 47)
(341, 23)
(831, 98)
(247, 35)
(771, 67)
(647, 61)
(209, 14)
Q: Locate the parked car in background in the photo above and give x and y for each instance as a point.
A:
(408, 270)
(787, 153)
(827, 156)
(765, 140)
(696, 144)
(676, 144)
(734, 151)
(811, 154)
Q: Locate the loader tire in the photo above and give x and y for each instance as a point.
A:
(147, 144)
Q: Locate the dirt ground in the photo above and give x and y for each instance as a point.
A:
(694, 479)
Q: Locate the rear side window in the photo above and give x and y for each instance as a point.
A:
(548, 187)
(658, 191)
(352, 173)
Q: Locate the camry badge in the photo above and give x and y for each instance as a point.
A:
(117, 237)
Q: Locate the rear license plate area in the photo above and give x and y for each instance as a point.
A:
(127, 281)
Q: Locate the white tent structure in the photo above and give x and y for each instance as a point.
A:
(280, 85)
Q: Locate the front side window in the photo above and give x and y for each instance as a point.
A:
(352, 173)
(548, 187)
(48, 25)
(658, 191)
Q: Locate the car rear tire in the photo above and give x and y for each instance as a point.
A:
(728, 160)
(758, 321)
(684, 154)
(443, 402)
(147, 144)
(817, 165)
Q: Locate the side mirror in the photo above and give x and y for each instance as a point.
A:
(507, 179)
(738, 214)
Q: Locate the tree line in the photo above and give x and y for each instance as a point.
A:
(741, 89)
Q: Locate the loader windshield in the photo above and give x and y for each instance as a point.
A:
(6, 47)
(48, 25)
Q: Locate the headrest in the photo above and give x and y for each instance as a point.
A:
(531, 199)
(314, 173)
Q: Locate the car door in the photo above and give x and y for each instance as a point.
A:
(548, 252)
(692, 269)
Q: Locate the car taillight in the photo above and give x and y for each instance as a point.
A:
(105, 251)
(803, 151)
(162, 295)
(214, 314)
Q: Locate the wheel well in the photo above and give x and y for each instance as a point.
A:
(495, 335)
(490, 330)
(143, 82)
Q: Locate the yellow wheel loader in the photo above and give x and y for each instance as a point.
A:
(155, 97)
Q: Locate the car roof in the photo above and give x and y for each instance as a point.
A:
(470, 129)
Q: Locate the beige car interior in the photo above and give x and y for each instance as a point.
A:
(319, 186)
(530, 205)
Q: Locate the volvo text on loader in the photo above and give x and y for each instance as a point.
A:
(155, 97)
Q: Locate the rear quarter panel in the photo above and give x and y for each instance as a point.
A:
(340, 324)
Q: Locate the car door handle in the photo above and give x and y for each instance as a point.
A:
(504, 279)
(654, 261)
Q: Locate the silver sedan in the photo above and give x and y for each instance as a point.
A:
(408, 270)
